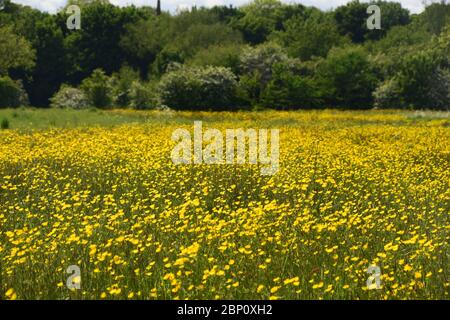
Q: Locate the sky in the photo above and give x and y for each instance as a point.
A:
(415, 6)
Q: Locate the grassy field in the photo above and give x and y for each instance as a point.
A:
(98, 189)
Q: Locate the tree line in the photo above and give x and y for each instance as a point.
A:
(265, 54)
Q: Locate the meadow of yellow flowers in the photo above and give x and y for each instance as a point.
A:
(354, 189)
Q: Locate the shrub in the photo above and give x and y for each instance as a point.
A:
(439, 85)
(218, 55)
(347, 78)
(98, 89)
(143, 96)
(387, 95)
(201, 36)
(69, 97)
(250, 88)
(261, 59)
(423, 80)
(163, 60)
(12, 93)
(122, 82)
(4, 124)
(306, 38)
(199, 88)
(257, 67)
(289, 90)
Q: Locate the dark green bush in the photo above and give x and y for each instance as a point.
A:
(12, 93)
(219, 55)
(387, 95)
(250, 88)
(347, 78)
(98, 89)
(289, 90)
(424, 82)
(4, 124)
(121, 83)
(143, 96)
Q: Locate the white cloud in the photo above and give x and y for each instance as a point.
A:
(414, 6)
(45, 5)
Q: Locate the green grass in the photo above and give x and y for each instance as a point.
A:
(31, 118)
(24, 119)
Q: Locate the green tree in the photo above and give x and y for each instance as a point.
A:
(306, 38)
(227, 55)
(145, 39)
(98, 89)
(424, 80)
(163, 60)
(201, 36)
(392, 14)
(44, 32)
(262, 17)
(12, 94)
(121, 85)
(399, 42)
(351, 19)
(289, 90)
(97, 44)
(436, 16)
(261, 59)
(226, 14)
(51, 63)
(256, 67)
(347, 78)
(15, 51)
(250, 88)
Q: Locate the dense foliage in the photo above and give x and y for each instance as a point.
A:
(68, 97)
(264, 54)
(202, 88)
(12, 93)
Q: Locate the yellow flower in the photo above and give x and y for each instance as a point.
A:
(318, 286)
(11, 294)
(76, 280)
(407, 267)
(115, 291)
(381, 255)
(169, 276)
(274, 289)
(92, 249)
